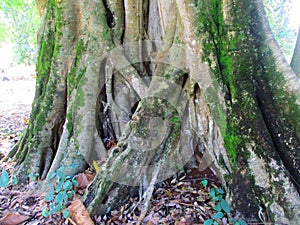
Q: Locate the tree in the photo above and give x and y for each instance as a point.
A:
(284, 30)
(296, 56)
(160, 80)
(19, 22)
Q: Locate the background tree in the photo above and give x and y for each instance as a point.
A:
(19, 23)
(295, 63)
(214, 81)
(282, 24)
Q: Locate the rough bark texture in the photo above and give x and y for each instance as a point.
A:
(213, 81)
(295, 63)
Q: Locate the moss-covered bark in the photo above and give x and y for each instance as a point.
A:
(245, 65)
(40, 140)
(213, 81)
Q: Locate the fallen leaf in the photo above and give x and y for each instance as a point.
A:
(168, 193)
(26, 120)
(90, 176)
(13, 219)
(96, 166)
(82, 180)
(79, 213)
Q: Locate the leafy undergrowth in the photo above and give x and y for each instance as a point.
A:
(190, 197)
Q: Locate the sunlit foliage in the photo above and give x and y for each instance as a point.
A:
(285, 32)
(19, 21)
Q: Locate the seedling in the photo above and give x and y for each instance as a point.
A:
(222, 208)
(5, 177)
(62, 190)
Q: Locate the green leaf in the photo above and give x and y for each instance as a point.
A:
(61, 173)
(208, 222)
(54, 208)
(70, 194)
(74, 181)
(4, 178)
(68, 185)
(225, 206)
(66, 213)
(204, 183)
(217, 198)
(242, 222)
(59, 186)
(14, 181)
(215, 223)
(61, 198)
(212, 192)
(218, 215)
(49, 196)
(51, 175)
(45, 213)
(218, 207)
(107, 210)
(220, 191)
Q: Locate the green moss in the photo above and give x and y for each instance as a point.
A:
(48, 53)
(233, 72)
(211, 23)
(285, 103)
(178, 41)
(106, 33)
(75, 73)
(167, 76)
(70, 121)
(43, 69)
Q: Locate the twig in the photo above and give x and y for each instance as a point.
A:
(71, 221)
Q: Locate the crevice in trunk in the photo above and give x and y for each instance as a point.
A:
(145, 19)
(123, 25)
(109, 15)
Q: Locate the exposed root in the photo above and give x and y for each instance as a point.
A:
(148, 194)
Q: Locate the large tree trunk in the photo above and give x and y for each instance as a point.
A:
(165, 79)
(295, 63)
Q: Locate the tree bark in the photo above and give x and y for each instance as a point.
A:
(295, 63)
(164, 79)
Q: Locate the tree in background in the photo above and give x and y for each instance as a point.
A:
(19, 24)
(161, 80)
(285, 32)
(295, 63)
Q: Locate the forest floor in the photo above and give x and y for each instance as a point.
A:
(189, 197)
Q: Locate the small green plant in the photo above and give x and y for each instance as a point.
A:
(222, 208)
(5, 177)
(62, 190)
(176, 122)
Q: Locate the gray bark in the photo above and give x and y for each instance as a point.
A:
(164, 79)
